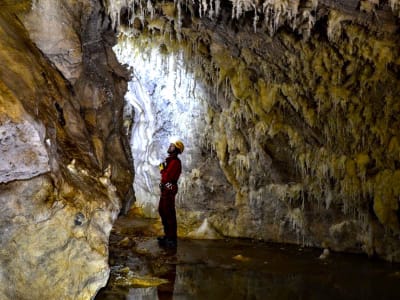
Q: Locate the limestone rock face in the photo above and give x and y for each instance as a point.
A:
(64, 175)
(23, 153)
(49, 249)
(300, 142)
(54, 27)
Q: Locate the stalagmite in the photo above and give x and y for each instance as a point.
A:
(205, 231)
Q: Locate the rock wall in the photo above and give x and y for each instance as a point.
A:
(301, 121)
(300, 141)
(65, 170)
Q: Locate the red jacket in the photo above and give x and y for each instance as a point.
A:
(172, 171)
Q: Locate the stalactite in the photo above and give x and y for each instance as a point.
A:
(325, 118)
(395, 5)
(275, 12)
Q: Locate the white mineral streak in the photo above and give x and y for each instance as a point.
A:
(137, 9)
(395, 5)
(205, 232)
(114, 9)
(241, 6)
(167, 104)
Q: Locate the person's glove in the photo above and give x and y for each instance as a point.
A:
(162, 166)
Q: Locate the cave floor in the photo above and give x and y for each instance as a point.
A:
(236, 269)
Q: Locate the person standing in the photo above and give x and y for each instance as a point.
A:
(170, 171)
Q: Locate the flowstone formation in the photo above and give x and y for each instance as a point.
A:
(64, 168)
(165, 104)
(302, 116)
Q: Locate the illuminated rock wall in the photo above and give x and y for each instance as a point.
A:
(168, 105)
(64, 169)
(301, 121)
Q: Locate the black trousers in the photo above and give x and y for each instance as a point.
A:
(166, 209)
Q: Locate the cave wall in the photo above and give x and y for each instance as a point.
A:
(65, 169)
(301, 138)
(302, 121)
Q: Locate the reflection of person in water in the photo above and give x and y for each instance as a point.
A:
(166, 291)
(170, 171)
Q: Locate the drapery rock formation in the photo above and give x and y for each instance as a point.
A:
(64, 167)
(300, 141)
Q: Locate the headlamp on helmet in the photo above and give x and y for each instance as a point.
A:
(179, 145)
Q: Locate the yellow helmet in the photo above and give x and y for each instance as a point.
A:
(179, 145)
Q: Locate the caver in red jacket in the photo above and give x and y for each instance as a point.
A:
(171, 170)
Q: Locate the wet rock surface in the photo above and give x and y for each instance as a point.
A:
(236, 269)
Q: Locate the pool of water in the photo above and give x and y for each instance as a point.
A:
(237, 269)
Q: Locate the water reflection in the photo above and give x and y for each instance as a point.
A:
(167, 290)
(142, 294)
(212, 270)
